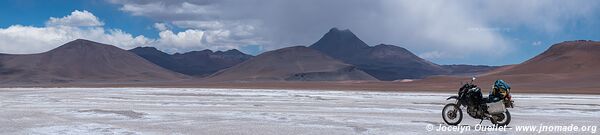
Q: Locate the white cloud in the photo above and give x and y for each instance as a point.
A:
(161, 26)
(186, 38)
(77, 18)
(19, 39)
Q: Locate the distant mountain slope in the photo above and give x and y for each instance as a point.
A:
(81, 61)
(384, 62)
(297, 63)
(566, 66)
(195, 63)
(567, 57)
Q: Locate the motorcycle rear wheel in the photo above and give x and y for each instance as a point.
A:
(451, 112)
(502, 119)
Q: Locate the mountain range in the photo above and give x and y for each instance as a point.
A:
(384, 62)
(194, 63)
(339, 56)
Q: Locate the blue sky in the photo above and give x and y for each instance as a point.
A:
(466, 32)
(36, 12)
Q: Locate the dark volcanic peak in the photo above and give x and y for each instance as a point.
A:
(345, 32)
(338, 40)
(342, 37)
(384, 62)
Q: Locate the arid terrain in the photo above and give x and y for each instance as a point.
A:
(263, 112)
(297, 67)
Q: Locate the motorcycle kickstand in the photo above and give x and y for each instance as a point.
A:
(480, 121)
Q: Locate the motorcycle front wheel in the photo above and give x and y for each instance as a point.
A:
(452, 114)
(501, 119)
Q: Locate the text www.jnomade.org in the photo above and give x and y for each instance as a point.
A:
(528, 128)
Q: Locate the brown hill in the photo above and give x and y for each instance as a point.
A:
(567, 66)
(567, 57)
(297, 63)
(80, 61)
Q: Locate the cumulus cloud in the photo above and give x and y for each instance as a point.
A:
(77, 18)
(446, 29)
(19, 39)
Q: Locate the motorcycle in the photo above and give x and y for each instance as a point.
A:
(491, 108)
